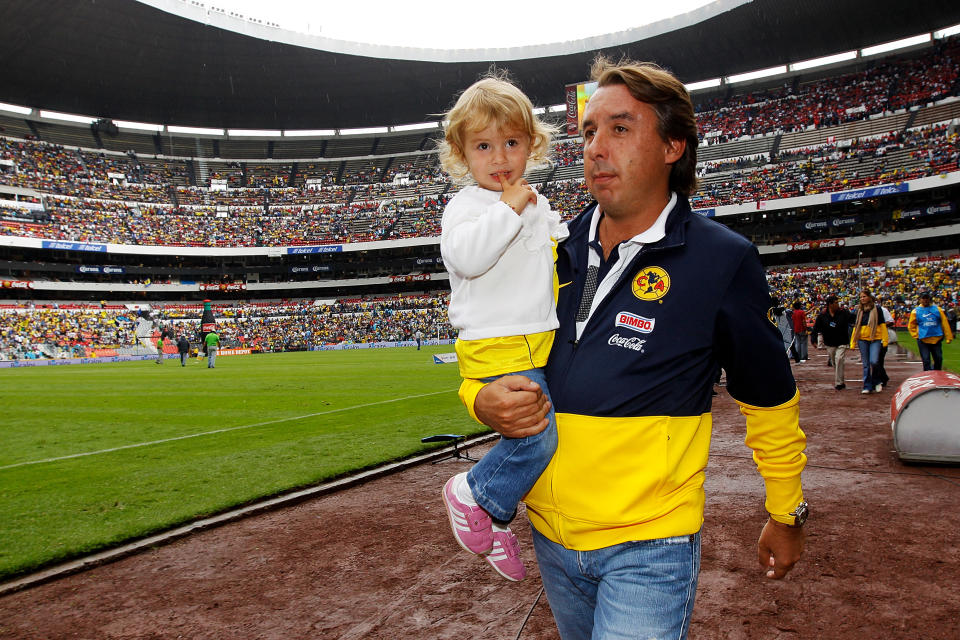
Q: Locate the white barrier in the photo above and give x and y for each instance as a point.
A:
(925, 417)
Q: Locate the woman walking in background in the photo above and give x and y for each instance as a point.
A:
(870, 336)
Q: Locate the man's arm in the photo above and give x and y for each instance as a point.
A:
(760, 380)
(945, 324)
(514, 406)
(777, 441)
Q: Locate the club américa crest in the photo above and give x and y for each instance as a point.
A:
(651, 283)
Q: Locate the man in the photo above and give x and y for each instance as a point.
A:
(160, 349)
(419, 336)
(833, 326)
(799, 319)
(183, 347)
(652, 299)
(929, 326)
(891, 339)
(212, 342)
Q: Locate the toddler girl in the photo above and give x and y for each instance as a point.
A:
(498, 244)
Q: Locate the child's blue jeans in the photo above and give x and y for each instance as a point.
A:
(503, 476)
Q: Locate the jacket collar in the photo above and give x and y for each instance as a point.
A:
(676, 228)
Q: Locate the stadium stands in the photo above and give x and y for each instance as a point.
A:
(875, 124)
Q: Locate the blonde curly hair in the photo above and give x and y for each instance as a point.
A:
(492, 99)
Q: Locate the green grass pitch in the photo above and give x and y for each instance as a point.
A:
(94, 455)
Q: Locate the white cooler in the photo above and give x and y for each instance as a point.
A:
(925, 416)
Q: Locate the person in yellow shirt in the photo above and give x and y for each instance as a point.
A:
(870, 336)
(928, 324)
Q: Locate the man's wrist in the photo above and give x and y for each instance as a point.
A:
(795, 519)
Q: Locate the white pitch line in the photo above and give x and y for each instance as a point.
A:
(209, 433)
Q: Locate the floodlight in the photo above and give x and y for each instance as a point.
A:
(308, 133)
(819, 62)
(703, 84)
(896, 44)
(414, 127)
(68, 117)
(195, 130)
(753, 75)
(254, 133)
(14, 108)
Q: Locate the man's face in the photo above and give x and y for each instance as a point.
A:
(494, 155)
(626, 163)
(925, 301)
(833, 307)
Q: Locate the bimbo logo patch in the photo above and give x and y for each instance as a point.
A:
(635, 322)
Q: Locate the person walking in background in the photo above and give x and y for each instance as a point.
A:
(212, 342)
(419, 337)
(183, 347)
(891, 340)
(799, 319)
(869, 336)
(833, 327)
(928, 324)
(160, 349)
(781, 319)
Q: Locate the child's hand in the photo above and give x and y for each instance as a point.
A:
(517, 195)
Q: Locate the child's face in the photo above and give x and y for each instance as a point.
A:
(494, 154)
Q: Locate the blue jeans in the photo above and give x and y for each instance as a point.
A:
(870, 357)
(641, 589)
(800, 343)
(931, 354)
(211, 357)
(510, 469)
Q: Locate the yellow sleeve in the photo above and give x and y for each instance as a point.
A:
(912, 324)
(947, 333)
(778, 443)
(469, 389)
(885, 337)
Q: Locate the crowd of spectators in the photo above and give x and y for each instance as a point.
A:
(31, 332)
(76, 330)
(36, 331)
(161, 202)
(885, 87)
(102, 211)
(898, 286)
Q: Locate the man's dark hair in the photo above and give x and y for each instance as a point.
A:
(650, 83)
(831, 299)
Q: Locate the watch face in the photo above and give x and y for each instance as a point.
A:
(801, 513)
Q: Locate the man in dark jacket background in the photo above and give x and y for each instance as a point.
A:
(183, 346)
(833, 325)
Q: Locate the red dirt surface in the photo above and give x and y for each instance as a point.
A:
(378, 561)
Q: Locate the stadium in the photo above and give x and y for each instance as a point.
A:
(154, 155)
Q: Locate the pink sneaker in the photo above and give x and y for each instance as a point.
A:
(505, 556)
(471, 525)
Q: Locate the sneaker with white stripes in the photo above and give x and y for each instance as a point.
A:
(472, 526)
(505, 556)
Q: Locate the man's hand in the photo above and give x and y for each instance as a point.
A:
(517, 195)
(514, 406)
(779, 548)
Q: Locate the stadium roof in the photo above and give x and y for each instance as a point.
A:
(125, 60)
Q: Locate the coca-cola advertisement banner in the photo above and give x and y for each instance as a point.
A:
(816, 244)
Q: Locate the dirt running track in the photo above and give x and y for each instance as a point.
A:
(378, 561)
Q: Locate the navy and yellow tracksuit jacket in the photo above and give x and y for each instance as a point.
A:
(633, 393)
